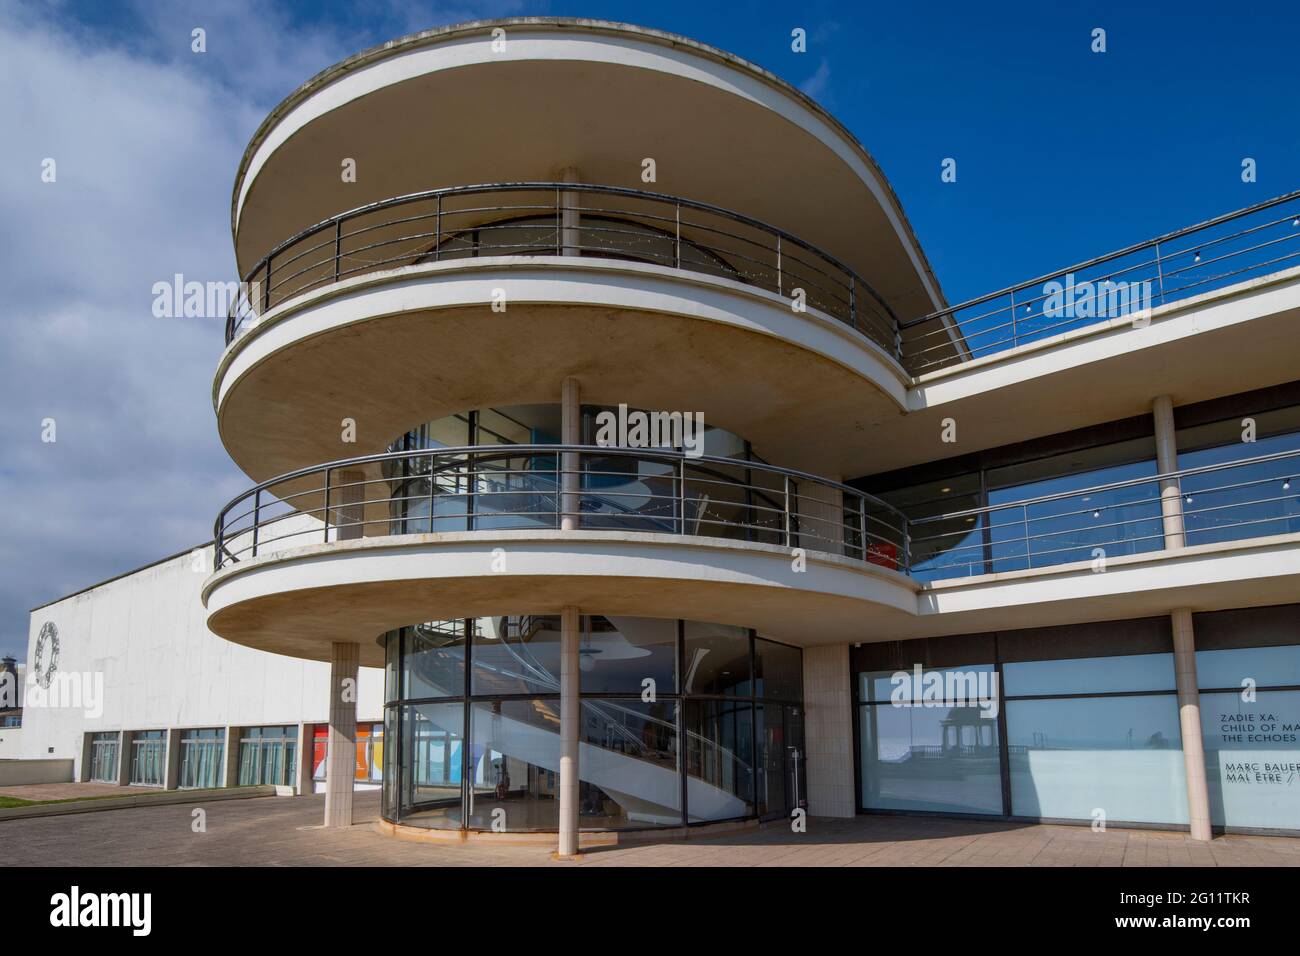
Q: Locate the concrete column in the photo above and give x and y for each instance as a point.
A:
(306, 759)
(83, 771)
(340, 761)
(230, 773)
(124, 758)
(171, 780)
(570, 435)
(828, 731)
(1189, 716)
(1171, 498)
(570, 718)
(570, 239)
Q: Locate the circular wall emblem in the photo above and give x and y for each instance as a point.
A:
(46, 659)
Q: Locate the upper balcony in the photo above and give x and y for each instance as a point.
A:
(525, 99)
(420, 306)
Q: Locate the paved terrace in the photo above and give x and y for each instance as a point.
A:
(284, 832)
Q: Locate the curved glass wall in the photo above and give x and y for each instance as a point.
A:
(681, 722)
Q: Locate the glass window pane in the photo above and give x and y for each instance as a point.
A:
(933, 684)
(1252, 759)
(433, 660)
(719, 759)
(1091, 675)
(943, 759)
(1121, 756)
(717, 659)
(517, 654)
(782, 767)
(432, 752)
(616, 655)
(779, 670)
(1266, 666)
(514, 765)
(627, 765)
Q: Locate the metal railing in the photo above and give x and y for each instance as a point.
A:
(1232, 248)
(559, 219)
(1227, 501)
(524, 487)
(546, 486)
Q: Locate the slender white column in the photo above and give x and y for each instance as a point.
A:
(1171, 500)
(570, 427)
(570, 717)
(341, 756)
(1189, 715)
(570, 240)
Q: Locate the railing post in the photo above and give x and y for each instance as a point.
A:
(862, 524)
(266, 288)
(677, 240)
(779, 284)
(786, 516)
(433, 463)
(437, 231)
(853, 301)
(681, 496)
(327, 506)
(471, 489)
(1160, 274)
(559, 224)
(1015, 335)
(905, 564)
(338, 246)
(257, 517)
(1029, 557)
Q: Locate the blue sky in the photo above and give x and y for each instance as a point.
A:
(1061, 154)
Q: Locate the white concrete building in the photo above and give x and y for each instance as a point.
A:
(1035, 556)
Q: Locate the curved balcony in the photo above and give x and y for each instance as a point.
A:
(560, 219)
(549, 487)
(363, 546)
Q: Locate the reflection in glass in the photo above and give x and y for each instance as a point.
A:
(433, 659)
(1090, 675)
(943, 759)
(432, 740)
(103, 757)
(717, 659)
(1120, 755)
(516, 654)
(782, 770)
(778, 671)
(719, 759)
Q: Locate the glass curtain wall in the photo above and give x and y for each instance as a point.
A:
(669, 710)
(202, 757)
(1027, 731)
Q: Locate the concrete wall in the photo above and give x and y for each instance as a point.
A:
(828, 731)
(15, 773)
(162, 668)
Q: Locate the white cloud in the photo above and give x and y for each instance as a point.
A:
(147, 137)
